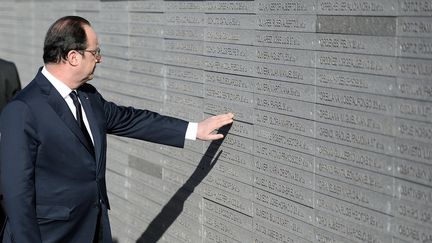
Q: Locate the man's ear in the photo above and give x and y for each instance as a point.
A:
(74, 57)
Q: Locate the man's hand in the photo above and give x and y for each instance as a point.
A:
(206, 127)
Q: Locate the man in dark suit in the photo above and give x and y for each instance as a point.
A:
(53, 143)
(9, 82)
(9, 85)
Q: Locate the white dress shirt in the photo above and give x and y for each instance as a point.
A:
(64, 91)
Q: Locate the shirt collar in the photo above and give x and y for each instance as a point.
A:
(62, 88)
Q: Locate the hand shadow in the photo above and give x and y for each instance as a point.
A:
(174, 207)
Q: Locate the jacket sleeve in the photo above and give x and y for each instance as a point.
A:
(18, 149)
(143, 124)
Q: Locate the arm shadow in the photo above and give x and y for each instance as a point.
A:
(174, 207)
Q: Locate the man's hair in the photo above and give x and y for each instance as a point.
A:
(66, 34)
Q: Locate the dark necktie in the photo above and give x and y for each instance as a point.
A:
(79, 117)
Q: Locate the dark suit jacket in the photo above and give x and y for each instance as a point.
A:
(51, 182)
(9, 82)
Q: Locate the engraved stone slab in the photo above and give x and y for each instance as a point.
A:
(215, 237)
(413, 192)
(285, 89)
(355, 119)
(412, 109)
(294, 40)
(184, 60)
(233, 171)
(183, 32)
(226, 199)
(285, 56)
(147, 18)
(355, 176)
(145, 166)
(285, 123)
(185, 19)
(300, 23)
(230, 185)
(145, 80)
(419, 131)
(241, 21)
(228, 95)
(287, 223)
(376, 45)
(413, 171)
(234, 157)
(186, 100)
(242, 129)
(327, 237)
(415, 89)
(225, 65)
(233, 36)
(179, 166)
(355, 138)
(414, 26)
(240, 7)
(242, 52)
(414, 47)
(146, 67)
(282, 205)
(353, 194)
(183, 73)
(353, 213)
(412, 232)
(285, 156)
(362, 7)
(188, 88)
(233, 82)
(284, 106)
(284, 189)
(284, 139)
(356, 63)
(146, 30)
(349, 230)
(183, 112)
(409, 149)
(239, 143)
(241, 112)
(355, 81)
(359, 25)
(417, 7)
(284, 172)
(114, 28)
(183, 6)
(228, 214)
(414, 68)
(274, 234)
(356, 101)
(146, 42)
(182, 154)
(284, 72)
(414, 212)
(146, 6)
(117, 52)
(184, 46)
(285, 7)
(146, 54)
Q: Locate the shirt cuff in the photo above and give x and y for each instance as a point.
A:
(191, 131)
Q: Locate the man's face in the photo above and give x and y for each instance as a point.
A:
(90, 55)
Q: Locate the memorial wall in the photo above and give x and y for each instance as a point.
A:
(333, 105)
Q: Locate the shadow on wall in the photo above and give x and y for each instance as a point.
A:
(174, 206)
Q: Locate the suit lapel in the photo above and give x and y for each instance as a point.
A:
(60, 106)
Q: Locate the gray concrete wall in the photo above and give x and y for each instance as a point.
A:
(333, 101)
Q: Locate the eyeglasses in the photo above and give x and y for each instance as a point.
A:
(96, 52)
